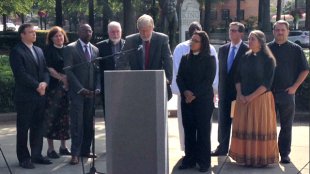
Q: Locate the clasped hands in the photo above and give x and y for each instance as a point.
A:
(189, 96)
(244, 99)
(88, 93)
(42, 88)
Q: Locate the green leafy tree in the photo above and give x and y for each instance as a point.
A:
(9, 7)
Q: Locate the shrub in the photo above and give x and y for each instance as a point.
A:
(7, 85)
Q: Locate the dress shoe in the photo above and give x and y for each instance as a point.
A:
(186, 166)
(89, 155)
(27, 164)
(74, 160)
(64, 151)
(41, 160)
(203, 169)
(52, 154)
(285, 160)
(218, 152)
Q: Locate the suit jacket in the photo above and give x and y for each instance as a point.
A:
(85, 76)
(160, 54)
(105, 49)
(27, 72)
(227, 89)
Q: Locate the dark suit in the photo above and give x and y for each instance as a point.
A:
(29, 104)
(160, 55)
(81, 108)
(227, 93)
(105, 49)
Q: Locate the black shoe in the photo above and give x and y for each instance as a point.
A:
(203, 169)
(41, 160)
(27, 164)
(89, 155)
(285, 160)
(52, 154)
(186, 166)
(64, 151)
(218, 152)
(187, 163)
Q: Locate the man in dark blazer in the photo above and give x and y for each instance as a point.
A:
(229, 55)
(109, 47)
(84, 84)
(155, 55)
(31, 80)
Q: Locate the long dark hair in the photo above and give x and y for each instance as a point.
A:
(205, 42)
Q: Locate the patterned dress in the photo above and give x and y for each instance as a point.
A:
(56, 123)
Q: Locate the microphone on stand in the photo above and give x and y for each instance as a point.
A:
(105, 57)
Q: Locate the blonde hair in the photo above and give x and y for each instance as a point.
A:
(287, 25)
(144, 21)
(260, 36)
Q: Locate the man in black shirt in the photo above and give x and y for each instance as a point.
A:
(292, 69)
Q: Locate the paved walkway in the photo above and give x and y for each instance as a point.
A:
(220, 165)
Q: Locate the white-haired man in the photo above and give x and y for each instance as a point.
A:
(155, 55)
(108, 47)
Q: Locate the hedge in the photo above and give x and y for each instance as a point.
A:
(7, 85)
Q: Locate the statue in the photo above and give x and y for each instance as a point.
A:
(169, 19)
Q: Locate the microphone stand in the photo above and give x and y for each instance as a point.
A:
(93, 169)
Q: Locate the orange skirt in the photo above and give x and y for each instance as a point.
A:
(254, 132)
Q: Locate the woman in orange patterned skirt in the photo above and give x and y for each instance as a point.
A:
(254, 134)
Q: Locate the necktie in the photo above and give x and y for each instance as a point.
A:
(231, 58)
(86, 53)
(34, 55)
(147, 54)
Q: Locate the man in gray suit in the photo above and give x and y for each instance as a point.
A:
(84, 84)
(155, 55)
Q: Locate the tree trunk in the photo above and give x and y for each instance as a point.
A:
(207, 21)
(22, 17)
(264, 15)
(307, 24)
(129, 18)
(238, 10)
(91, 19)
(4, 22)
(279, 9)
(58, 10)
(106, 16)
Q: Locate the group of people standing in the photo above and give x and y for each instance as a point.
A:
(55, 88)
(256, 83)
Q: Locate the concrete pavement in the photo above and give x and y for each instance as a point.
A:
(220, 165)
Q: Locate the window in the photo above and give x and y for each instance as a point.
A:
(213, 14)
(225, 14)
(241, 14)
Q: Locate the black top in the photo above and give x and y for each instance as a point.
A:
(254, 71)
(54, 59)
(196, 73)
(291, 61)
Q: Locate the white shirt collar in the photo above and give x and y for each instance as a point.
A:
(83, 43)
(237, 45)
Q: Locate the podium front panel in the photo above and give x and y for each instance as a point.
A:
(136, 122)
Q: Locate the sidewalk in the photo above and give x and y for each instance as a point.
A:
(220, 165)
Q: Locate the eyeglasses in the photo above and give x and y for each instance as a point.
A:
(233, 30)
(195, 41)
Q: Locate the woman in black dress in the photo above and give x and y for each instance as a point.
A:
(195, 77)
(57, 118)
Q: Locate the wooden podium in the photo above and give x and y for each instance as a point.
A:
(136, 122)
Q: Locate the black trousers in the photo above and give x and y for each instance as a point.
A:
(30, 116)
(224, 125)
(196, 118)
(285, 108)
